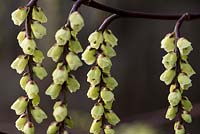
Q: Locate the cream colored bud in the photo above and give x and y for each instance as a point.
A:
(28, 46)
(29, 128)
(93, 92)
(97, 111)
(110, 38)
(21, 121)
(168, 43)
(21, 36)
(167, 76)
(73, 61)
(94, 76)
(38, 56)
(72, 84)
(88, 56)
(60, 113)
(40, 72)
(75, 46)
(62, 36)
(31, 89)
(20, 63)
(60, 74)
(23, 81)
(38, 14)
(96, 39)
(38, 30)
(20, 105)
(38, 114)
(76, 21)
(19, 15)
(55, 52)
(53, 90)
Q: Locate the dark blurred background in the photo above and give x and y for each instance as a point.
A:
(141, 98)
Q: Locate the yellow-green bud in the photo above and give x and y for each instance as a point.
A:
(108, 50)
(23, 81)
(31, 89)
(179, 128)
(76, 21)
(110, 38)
(97, 111)
(73, 33)
(38, 56)
(21, 36)
(96, 127)
(174, 98)
(38, 114)
(93, 92)
(75, 46)
(60, 113)
(169, 60)
(168, 43)
(184, 81)
(106, 95)
(186, 104)
(184, 46)
(72, 84)
(55, 52)
(186, 117)
(40, 72)
(171, 112)
(20, 63)
(38, 30)
(110, 82)
(94, 76)
(19, 15)
(36, 100)
(108, 105)
(96, 39)
(88, 56)
(167, 76)
(73, 61)
(20, 105)
(53, 128)
(53, 90)
(38, 14)
(20, 122)
(68, 121)
(60, 74)
(62, 36)
(186, 68)
(58, 103)
(29, 128)
(112, 118)
(109, 130)
(104, 63)
(28, 46)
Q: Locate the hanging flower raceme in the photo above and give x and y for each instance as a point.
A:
(102, 83)
(65, 52)
(27, 107)
(177, 75)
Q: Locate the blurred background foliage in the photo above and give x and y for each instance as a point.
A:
(141, 99)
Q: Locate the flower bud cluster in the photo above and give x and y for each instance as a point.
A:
(27, 106)
(101, 82)
(177, 75)
(65, 52)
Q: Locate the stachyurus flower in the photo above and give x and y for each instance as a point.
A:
(28, 107)
(19, 15)
(65, 52)
(177, 75)
(101, 82)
